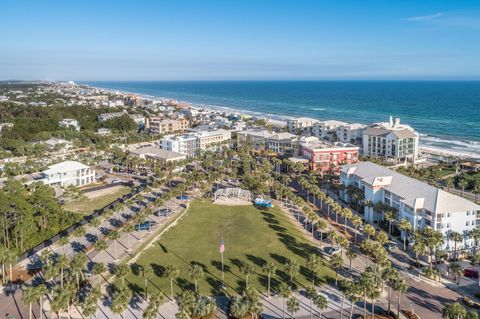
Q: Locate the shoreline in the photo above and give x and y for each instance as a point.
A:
(281, 120)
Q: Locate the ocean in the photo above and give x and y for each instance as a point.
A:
(446, 113)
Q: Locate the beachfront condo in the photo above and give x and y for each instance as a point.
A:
(392, 141)
(421, 204)
(68, 173)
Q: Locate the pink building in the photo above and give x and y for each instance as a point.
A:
(323, 155)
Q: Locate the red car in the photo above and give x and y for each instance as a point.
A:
(471, 273)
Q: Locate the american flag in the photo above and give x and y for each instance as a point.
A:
(222, 246)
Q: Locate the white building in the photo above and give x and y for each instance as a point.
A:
(391, 140)
(58, 144)
(300, 125)
(257, 138)
(422, 204)
(67, 123)
(191, 144)
(350, 133)
(156, 153)
(69, 173)
(104, 131)
(327, 130)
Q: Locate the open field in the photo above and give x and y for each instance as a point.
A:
(96, 199)
(250, 234)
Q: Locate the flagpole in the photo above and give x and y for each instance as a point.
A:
(223, 276)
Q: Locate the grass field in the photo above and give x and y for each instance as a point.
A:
(87, 205)
(249, 234)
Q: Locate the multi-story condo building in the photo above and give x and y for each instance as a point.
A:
(282, 143)
(391, 140)
(327, 130)
(166, 126)
(66, 123)
(212, 139)
(422, 204)
(184, 144)
(191, 144)
(68, 173)
(324, 156)
(350, 133)
(257, 138)
(300, 125)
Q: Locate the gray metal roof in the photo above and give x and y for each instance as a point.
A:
(409, 189)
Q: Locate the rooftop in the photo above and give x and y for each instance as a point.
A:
(65, 167)
(157, 152)
(409, 189)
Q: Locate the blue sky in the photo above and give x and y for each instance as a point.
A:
(217, 40)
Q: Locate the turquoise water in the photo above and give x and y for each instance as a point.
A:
(447, 114)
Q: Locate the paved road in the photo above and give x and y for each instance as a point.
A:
(426, 299)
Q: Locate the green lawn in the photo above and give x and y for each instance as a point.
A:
(87, 205)
(250, 234)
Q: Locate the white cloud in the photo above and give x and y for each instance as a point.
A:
(428, 17)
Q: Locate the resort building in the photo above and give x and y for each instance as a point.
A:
(68, 173)
(159, 126)
(327, 130)
(283, 144)
(350, 133)
(422, 204)
(324, 156)
(69, 123)
(257, 138)
(156, 153)
(300, 125)
(191, 144)
(391, 140)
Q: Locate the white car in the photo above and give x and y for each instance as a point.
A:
(332, 251)
(323, 295)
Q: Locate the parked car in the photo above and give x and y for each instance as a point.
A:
(163, 212)
(390, 246)
(470, 273)
(323, 295)
(332, 251)
(323, 235)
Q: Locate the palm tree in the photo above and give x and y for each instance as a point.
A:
(62, 263)
(100, 246)
(313, 264)
(269, 269)
(40, 291)
(400, 286)
(369, 230)
(147, 274)
(172, 272)
(291, 268)
(321, 303)
(456, 237)
(353, 293)
(122, 271)
(292, 306)
(347, 214)
(389, 276)
(247, 269)
(120, 300)
(114, 235)
(156, 299)
(336, 262)
(310, 293)
(456, 270)
(454, 311)
(405, 226)
(98, 269)
(389, 218)
(196, 273)
(28, 297)
(284, 291)
(351, 255)
(356, 222)
(321, 225)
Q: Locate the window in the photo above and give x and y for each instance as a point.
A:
(467, 223)
(448, 225)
